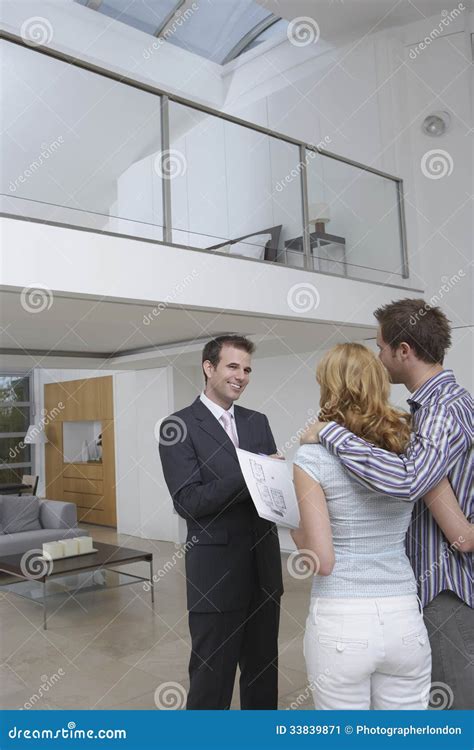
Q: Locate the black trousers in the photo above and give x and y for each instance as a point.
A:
(221, 640)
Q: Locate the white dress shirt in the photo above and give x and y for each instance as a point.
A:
(218, 411)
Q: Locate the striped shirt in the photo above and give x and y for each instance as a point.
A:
(440, 446)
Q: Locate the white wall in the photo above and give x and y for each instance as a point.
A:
(460, 357)
(443, 206)
(187, 385)
(144, 508)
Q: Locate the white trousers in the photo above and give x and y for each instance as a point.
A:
(368, 654)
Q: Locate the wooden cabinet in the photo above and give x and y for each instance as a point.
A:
(90, 485)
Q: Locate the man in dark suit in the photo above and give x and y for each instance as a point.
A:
(233, 567)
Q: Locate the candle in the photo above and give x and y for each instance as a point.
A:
(53, 550)
(70, 547)
(85, 543)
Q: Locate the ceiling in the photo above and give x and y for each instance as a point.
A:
(338, 19)
(218, 31)
(78, 332)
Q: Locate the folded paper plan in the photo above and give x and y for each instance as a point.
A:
(271, 488)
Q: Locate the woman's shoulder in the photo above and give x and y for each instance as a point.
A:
(316, 461)
(313, 452)
(313, 455)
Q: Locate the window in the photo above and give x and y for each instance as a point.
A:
(149, 17)
(218, 30)
(276, 28)
(215, 29)
(15, 418)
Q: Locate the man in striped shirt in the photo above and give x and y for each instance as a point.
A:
(413, 338)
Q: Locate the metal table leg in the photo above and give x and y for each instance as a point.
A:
(45, 621)
(152, 589)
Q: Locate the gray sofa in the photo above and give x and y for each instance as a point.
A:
(27, 521)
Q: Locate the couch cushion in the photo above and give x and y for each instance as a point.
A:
(14, 544)
(20, 513)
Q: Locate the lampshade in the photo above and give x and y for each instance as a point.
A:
(35, 435)
(319, 212)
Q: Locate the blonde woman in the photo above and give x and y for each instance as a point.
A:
(366, 645)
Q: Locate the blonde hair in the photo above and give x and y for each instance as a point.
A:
(355, 391)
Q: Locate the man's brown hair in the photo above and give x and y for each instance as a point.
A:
(413, 321)
(212, 350)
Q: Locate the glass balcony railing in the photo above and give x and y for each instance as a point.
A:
(85, 148)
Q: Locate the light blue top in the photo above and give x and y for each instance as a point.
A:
(368, 531)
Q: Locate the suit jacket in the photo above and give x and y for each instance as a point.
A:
(229, 549)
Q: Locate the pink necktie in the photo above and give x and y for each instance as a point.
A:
(229, 427)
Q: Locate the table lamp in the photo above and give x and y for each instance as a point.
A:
(35, 436)
(319, 214)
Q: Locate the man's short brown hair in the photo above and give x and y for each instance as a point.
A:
(413, 321)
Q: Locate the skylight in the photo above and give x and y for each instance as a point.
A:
(150, 16)
(218, 30)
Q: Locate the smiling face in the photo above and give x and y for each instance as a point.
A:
(227, 381)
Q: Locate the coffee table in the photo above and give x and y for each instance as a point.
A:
(74, 575)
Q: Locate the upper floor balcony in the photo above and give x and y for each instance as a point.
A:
(84, 148)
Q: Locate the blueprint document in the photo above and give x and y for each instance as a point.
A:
(271, 488)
